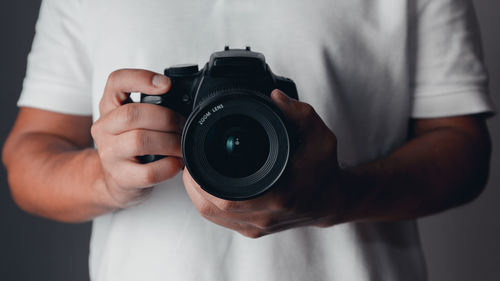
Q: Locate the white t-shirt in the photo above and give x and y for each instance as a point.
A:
(365, 66)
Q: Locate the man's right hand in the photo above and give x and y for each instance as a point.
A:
(127, 130)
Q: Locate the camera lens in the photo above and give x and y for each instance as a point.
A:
(237, 146)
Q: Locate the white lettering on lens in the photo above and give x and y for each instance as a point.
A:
(209, 113)
(217, 108)
(204, 117)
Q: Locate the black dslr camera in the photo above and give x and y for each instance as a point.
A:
(236, 142)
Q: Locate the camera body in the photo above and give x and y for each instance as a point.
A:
(231, 68)
(235, 142)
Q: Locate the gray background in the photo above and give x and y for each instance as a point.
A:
(461, 244)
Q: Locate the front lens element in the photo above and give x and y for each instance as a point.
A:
(237, 146)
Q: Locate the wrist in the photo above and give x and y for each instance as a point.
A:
(363, 189)
(349, 195)
(352, 195)
(101, 194)
(110, 196)
(341, 202)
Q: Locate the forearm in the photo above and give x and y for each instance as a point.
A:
(436, 171)
(51, 177)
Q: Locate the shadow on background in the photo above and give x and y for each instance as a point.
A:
(463, 244)
(31, 248)
(460, 245)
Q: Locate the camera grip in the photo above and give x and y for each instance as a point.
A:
(144, 159)
(151, 99)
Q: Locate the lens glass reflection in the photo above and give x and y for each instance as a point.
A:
(236, 146)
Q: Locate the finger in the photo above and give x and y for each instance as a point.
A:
(300, 114)
(204, 207)
(271, 226)
(147, 175)
(200, 199)
(210, 212)
(240, 227)
(141, 116)
(276, 199)
(124, 81)
(145, 142)
(269, 202)
(263, 203)
(250, 224)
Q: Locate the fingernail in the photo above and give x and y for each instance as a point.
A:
(160, 81)
(281, 96)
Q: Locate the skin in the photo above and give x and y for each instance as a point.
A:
(444, 164)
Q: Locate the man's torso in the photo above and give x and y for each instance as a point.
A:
(348, 59)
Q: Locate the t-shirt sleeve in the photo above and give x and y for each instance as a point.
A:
(58, 71)
(449, 76)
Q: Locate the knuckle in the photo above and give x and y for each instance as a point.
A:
(328, 147)
(161, 170)
(130, 113)
(282, 203)
(170, 116)
(104, 152)
(101, 105)
(95, 129)
(206, 210)
(139, 140)
(331, 146)
(226, 206)
(150, 175)
(177, 144)
(253, 233)
(265, 223)
(307, 110)
(113, 76)
(171, 141)
(327, 143)
(172, 167)
(329, 222)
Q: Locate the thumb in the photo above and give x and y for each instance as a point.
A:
(297, 112)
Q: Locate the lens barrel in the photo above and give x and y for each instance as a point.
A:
(235, 144)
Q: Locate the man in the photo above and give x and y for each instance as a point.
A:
(391, 118)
